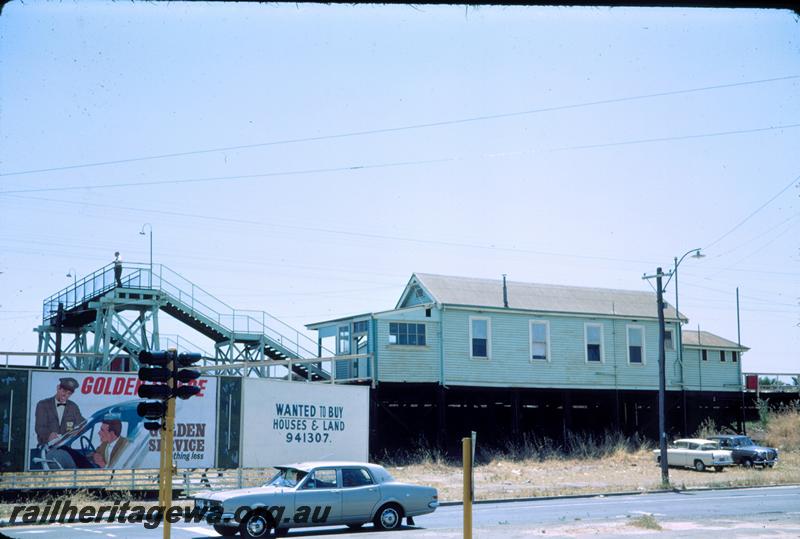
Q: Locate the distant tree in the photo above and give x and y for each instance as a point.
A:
(766, 381)
(796, 380)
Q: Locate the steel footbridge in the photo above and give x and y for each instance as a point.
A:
(105, 322)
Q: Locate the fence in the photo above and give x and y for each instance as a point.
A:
(188, 481)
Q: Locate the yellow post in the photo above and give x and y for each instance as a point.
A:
(466, 447)
(167, 443)
(166, 472)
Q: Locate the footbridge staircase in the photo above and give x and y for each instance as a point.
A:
(106, 322)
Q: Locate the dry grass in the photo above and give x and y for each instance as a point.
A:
(647, 522)
(783, 430)
(618, 471)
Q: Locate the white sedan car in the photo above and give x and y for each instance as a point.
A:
(317, 494)
(697, 453)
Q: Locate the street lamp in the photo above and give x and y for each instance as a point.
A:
(74, 274)
(679, 336)
(141, 232)
(662, 360)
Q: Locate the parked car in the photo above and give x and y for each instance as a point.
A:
(746, 452)
(697, 453)
(317, 494)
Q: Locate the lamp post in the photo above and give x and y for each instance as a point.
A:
(679, 334)
(74, 274)
(662, 360)
(141, 232)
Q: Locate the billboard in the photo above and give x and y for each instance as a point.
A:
(89, 420)
(284, 422)
(13, 423)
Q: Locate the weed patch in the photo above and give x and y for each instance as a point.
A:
(647, 522)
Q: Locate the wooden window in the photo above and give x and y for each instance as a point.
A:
(344, 340)
(722, 356)
(593, 336)
(669, 342)
(734, 356)
(480, 330)
(705, 355)
(636, 345)
(407, 334)
(540, 340)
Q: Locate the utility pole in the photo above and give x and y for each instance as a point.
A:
(662, 378)
(743, 418)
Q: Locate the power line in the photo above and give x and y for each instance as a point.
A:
(367, 235)
(770, 242)
(769, 230)
(396, 129)
(744, 296)
(679, 137)
(743, 221)
(351, 168)
(228, 178)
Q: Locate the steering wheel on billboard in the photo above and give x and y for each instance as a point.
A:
(86, 445)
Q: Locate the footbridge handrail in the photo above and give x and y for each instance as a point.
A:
(184, 294)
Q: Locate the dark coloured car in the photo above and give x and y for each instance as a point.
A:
(746, 452)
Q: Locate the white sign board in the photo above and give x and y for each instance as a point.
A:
(285, 422)
(96, 425)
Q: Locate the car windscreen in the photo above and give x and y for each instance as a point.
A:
(743, 441)
(286, 477)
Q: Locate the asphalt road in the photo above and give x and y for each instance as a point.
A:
(753, 512)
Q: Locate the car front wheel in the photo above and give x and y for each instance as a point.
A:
(256, 525)
(699, 466)
(747, 463)
(389, 517)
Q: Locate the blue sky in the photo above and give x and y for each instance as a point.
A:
(566, 173)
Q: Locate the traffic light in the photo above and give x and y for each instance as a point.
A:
(154, 411)
(182, 390)
(171, 380)
(155, 367)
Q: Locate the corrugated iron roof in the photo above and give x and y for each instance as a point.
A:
(704, 339)
(468, 291)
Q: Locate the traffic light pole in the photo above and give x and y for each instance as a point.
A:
(167, 434)
(172, 382)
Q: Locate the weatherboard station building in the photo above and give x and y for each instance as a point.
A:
(456, 354)
(508, 359)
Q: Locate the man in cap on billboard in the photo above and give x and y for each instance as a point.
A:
(57, 415)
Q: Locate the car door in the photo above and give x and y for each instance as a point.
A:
(694, 453)
(676, 456)
(360, 494)
(318, 500)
